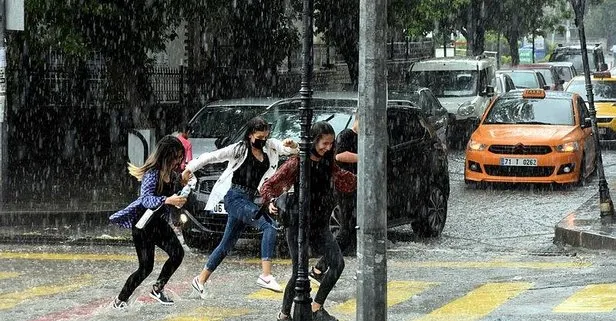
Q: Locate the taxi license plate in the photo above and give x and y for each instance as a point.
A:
(518, 161)
(602, 130)
(219, 209)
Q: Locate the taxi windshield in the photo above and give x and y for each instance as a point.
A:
(531, 111)
(447, 83)
(602, 90)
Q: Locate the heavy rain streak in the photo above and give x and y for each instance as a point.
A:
(307, 160)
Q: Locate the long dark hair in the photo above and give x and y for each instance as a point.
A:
(318, 130)
(167, 152)
(256, 124)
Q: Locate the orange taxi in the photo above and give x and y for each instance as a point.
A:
(532, 136)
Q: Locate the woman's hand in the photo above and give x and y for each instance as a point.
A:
(176, 200)
(289, 143)
(273, 209)
(186, 176)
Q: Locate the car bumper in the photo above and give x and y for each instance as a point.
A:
(484, 166)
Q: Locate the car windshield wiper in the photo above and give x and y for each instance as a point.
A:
(533, 123)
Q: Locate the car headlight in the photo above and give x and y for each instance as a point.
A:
(466, 109)
(568, 147)
(476, 146)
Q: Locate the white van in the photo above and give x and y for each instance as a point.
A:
(463, 85)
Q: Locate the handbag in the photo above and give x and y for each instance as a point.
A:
(287, 204)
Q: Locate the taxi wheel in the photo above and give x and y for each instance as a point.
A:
(432, 218)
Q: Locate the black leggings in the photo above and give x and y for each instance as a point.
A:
(322, 241)
(347, 235)
(156, 233)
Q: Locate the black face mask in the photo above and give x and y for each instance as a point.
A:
(259, 143)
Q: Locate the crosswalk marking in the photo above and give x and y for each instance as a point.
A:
(397, 292)
(73, 256)
(594, 298)
(265, 294)
(490, 265)
(478, 303)
(8, 275)
(209, 314)
(10, 300)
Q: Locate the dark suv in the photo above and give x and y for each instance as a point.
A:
(418, 177)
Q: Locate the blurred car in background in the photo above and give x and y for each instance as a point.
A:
(219, 118)
(549, 74)
(573, 54)
(566, 70)
(504, 83)
(604, 93)
(523, 79)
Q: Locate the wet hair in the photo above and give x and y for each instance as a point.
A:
(318, 130)
(256, 124)
(168, 150)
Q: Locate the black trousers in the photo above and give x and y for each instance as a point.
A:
(322, 241)
(348, 219)
(156, 233)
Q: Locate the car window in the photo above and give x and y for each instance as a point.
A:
(213, 122)
(524, 79)
(584, 113)
(436, 105)
(547, 75)
(542, 81)
(403, 126)
(531, 111)
(565, 73)
(447, 83)
(510, 84)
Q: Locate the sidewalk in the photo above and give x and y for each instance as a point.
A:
(583, 227)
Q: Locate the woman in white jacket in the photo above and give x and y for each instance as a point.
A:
(251, 162)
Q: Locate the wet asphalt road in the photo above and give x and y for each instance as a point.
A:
(495, 261)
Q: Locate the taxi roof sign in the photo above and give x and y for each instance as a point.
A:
(533, 93)
(602, 74)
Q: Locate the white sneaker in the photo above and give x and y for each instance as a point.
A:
(200, 289)
(269, 282)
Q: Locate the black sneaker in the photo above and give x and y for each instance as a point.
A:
(119, 305)
(322, 315)
(161, 297)
(315, 277)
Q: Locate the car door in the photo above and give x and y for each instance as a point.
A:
(438, 116)
(406, 171)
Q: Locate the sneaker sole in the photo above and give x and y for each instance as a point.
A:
(159, 301)
(269, 288)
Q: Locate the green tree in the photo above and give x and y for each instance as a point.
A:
(599, 21)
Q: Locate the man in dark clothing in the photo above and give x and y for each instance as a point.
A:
(346, 157)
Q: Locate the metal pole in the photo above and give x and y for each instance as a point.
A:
(302, 310)
(372, 167)
(606, 205)
(3, 108)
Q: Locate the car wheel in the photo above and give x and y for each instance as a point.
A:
(432, 219)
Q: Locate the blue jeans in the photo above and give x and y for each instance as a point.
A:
(242, 209)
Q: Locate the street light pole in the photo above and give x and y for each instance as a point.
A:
(303, 310)
(605, 202)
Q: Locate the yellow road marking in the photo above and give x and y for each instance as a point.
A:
(209, 314)
(491, 265)
(8, 275)
(72, 256)
(478, 303)
(265, 294)
(397, 292)
(594, 298)
(10, 300)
